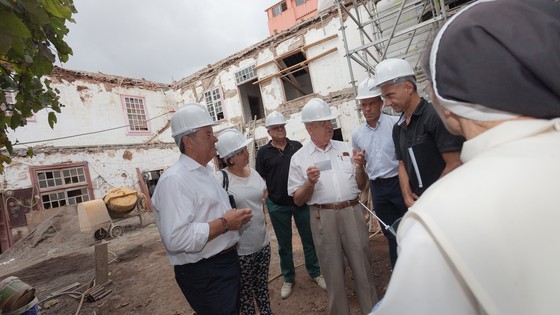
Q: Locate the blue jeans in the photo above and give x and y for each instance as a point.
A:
(212, 285)
(389, 205)
(281, 219)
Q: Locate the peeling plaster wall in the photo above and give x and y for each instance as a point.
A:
(93, 109)
(111, 167)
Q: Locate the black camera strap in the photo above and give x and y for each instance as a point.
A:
(225, 182)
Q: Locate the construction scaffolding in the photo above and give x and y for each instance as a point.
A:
(392, 29)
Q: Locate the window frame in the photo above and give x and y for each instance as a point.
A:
(127, 118)
(279, 9)
(211, 107)
(63, 188)
(242, 75)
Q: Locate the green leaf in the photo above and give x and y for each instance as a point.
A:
(30, 152)
(57, 9)
(52, 119)
(35, 12)
(11, 24)
(5, 43)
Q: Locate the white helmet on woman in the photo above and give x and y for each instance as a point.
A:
(316, 110)
(188, 119)
(368, 89)
(392, 70)
(231, 141)
(274, 119)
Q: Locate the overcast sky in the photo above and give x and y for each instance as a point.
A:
(162, 40)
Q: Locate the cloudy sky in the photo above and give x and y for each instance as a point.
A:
(162, 40)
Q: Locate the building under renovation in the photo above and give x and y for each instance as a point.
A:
(114, 131)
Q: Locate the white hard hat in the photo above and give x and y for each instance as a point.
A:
(316, 110)
(274, 119)
(189, 118)
(392, 69)
(230, 141)
(368, 89)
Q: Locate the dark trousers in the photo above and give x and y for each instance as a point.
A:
(281, 219)
(212, 285)
(389, 205)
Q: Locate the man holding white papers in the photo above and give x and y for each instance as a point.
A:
(322, 174)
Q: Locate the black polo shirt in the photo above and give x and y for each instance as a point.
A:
(423, 140)
(273, 165)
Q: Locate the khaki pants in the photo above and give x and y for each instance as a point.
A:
(339, 232)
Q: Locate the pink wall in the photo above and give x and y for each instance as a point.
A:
(292, 16)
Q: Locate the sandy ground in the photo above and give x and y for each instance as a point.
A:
(57, 255)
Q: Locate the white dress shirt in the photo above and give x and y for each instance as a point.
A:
(336, 182)
(186, 198)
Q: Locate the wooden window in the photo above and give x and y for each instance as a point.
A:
(137, 117)
(245, 74)
(214, 104)
(63, 185)
(277, 10)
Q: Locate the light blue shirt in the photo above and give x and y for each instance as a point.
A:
(186, 198)
(381, 160)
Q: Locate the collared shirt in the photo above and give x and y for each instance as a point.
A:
(186, 198)
(336, 183)
(377, 142)
(273, 165)
(426, 137)
(459, 245)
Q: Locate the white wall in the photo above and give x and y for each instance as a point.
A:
(89, 108)
(108, 168)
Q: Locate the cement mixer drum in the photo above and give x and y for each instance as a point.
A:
(120, 201)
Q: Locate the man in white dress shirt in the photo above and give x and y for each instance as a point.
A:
(484, 239)
(322, 175)
(198, 229)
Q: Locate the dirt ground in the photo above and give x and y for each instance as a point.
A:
(57, 255)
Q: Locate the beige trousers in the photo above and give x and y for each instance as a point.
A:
(337, 233)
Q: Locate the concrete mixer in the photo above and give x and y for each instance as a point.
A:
(102, 215)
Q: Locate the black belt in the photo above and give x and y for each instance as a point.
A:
(380, 180)
(337, 205)
(227, 250)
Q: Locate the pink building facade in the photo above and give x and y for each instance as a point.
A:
(288, 13)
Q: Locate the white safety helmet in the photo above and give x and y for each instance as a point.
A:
(230, 141)
(392, 70)
(368, 89)
(316, 110)
(188, 119)
(274, 119)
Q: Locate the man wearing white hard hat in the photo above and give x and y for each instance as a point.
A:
(323, 175)
(484, 239)
(198, 229)
(273, 163)
(425, 149)
(249, 190)
(374, 142)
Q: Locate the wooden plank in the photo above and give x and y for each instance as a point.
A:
(101, 263)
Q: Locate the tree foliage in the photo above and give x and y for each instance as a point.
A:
(31, 37)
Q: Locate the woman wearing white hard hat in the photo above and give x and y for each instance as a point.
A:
(249, 191)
